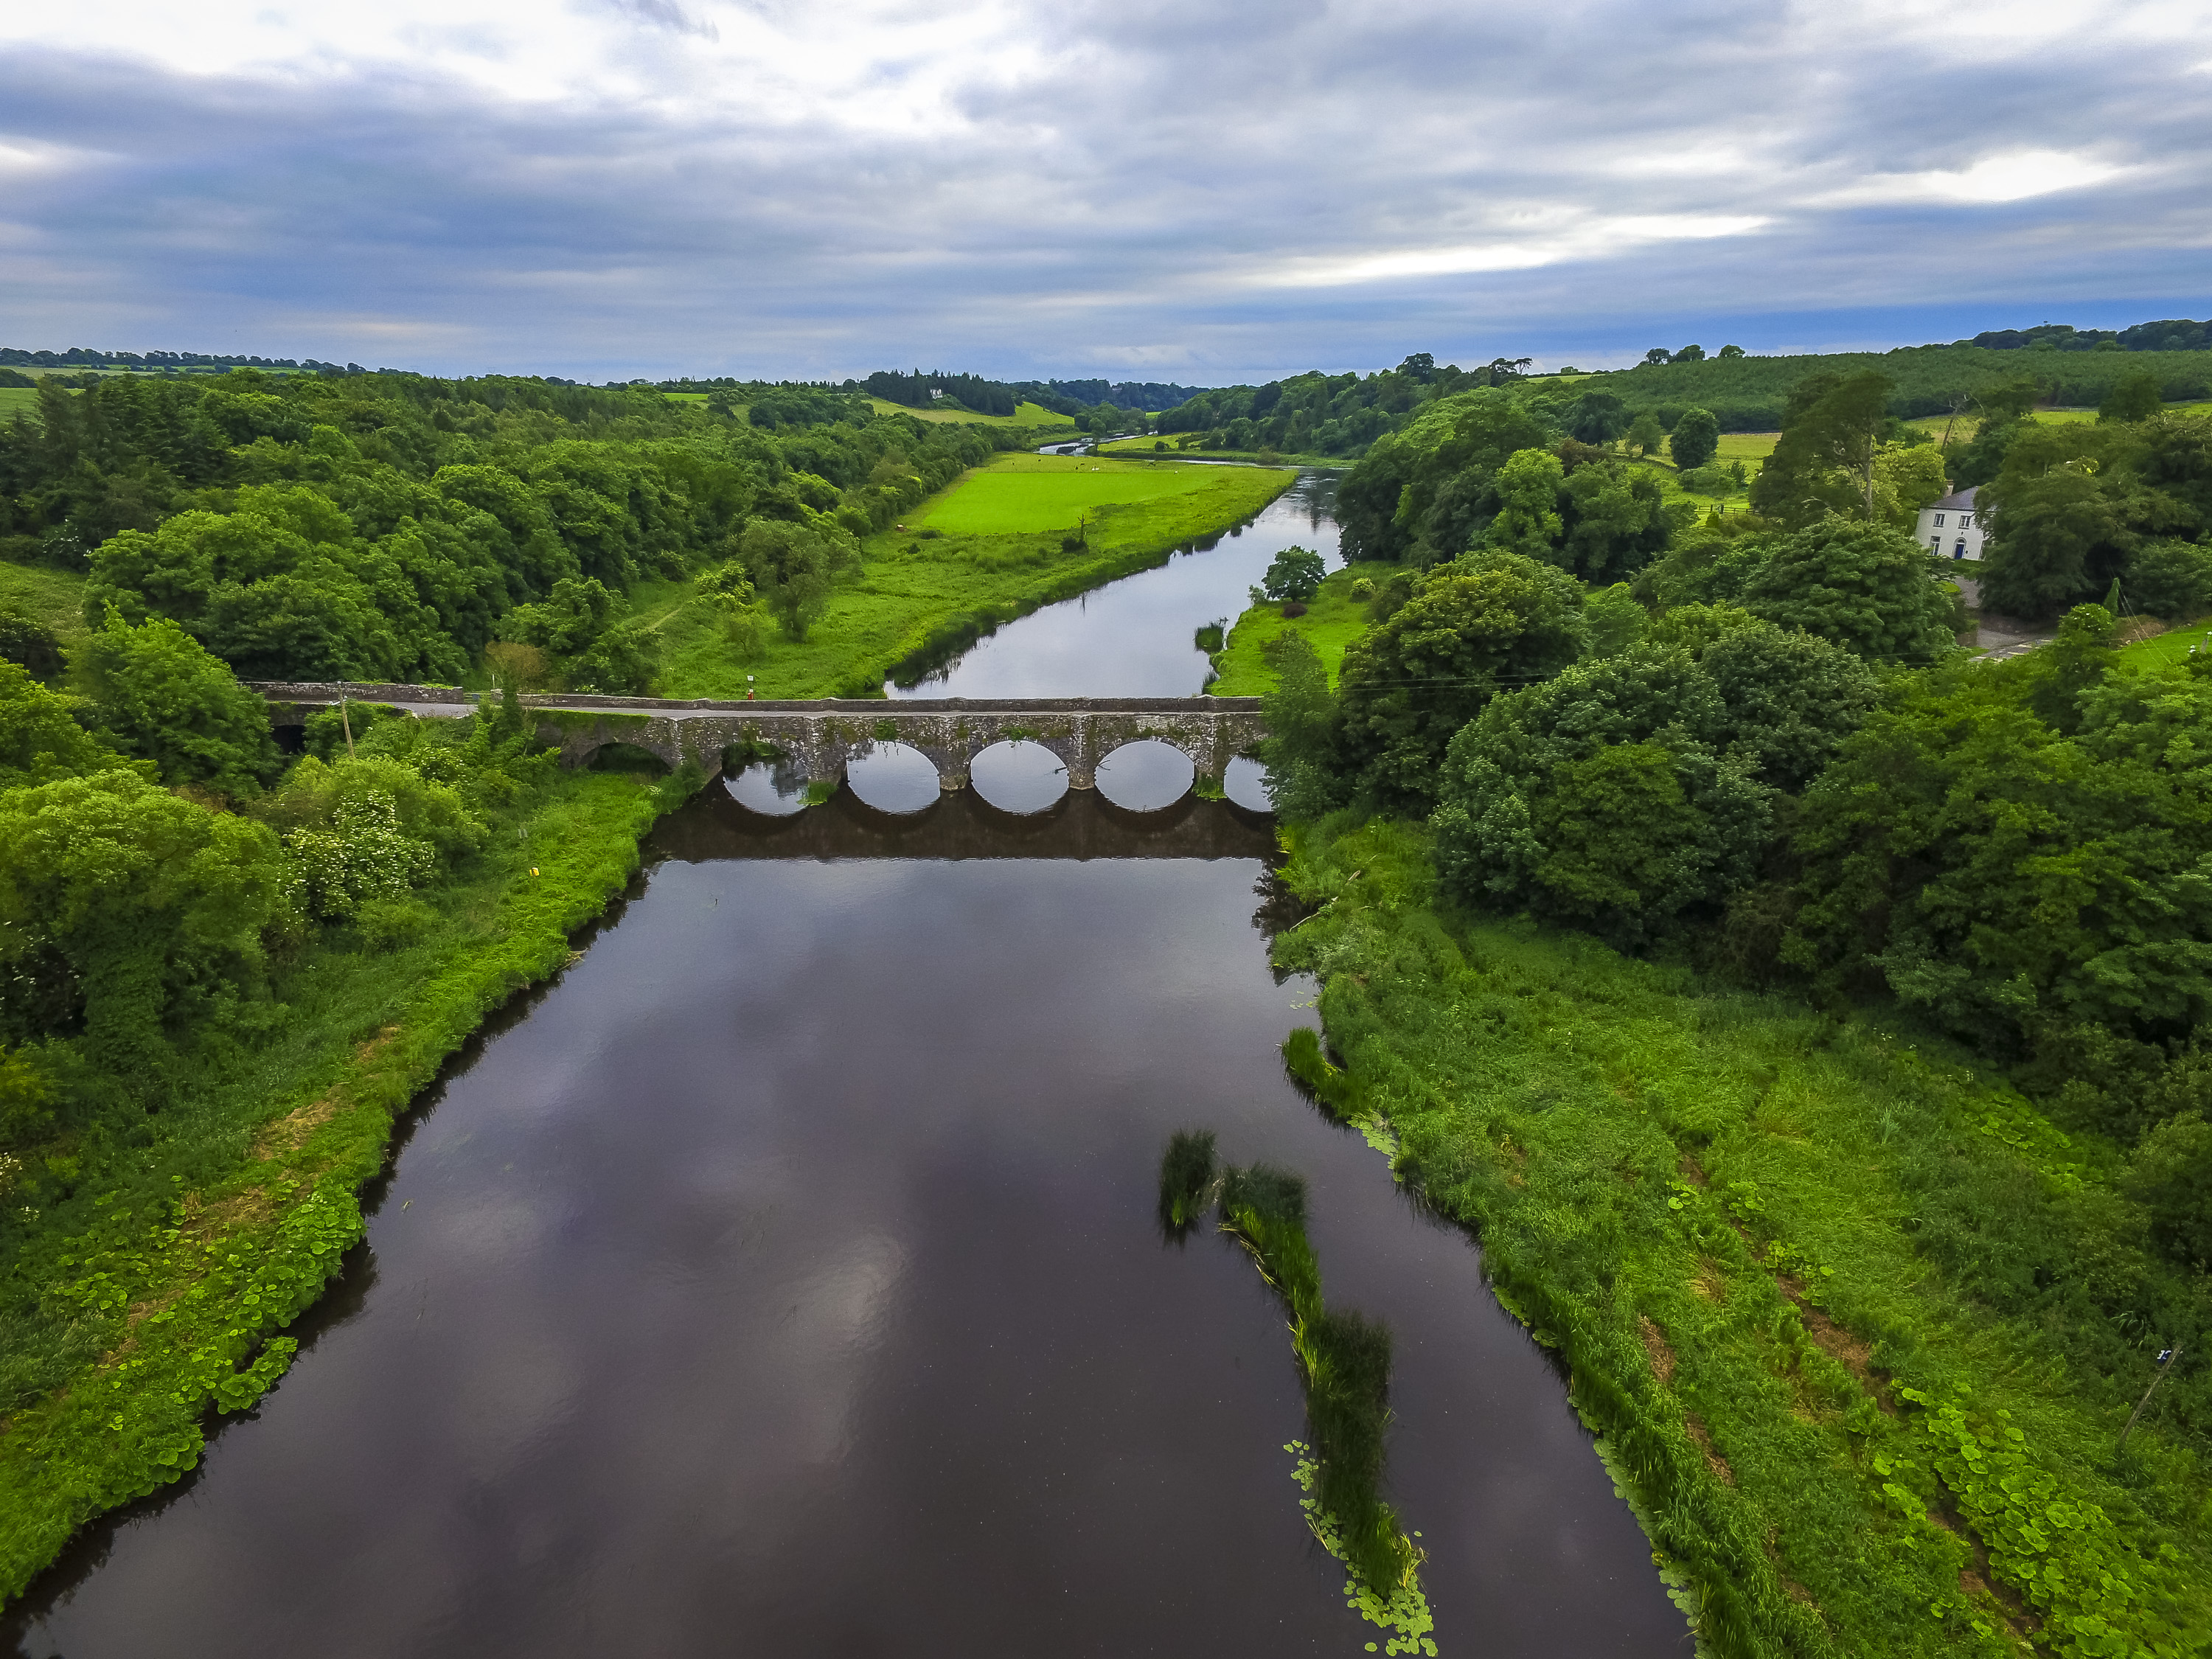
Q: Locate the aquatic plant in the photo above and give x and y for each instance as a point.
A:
(1344, 1362)
(1186, 1181)
(1404, 1609)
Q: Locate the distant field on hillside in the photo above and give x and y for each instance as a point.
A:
(55, 597)
(1018, 494)
(1749, 393)
(18, 399)
(1024, 414)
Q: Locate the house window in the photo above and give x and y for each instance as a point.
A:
(1935, 543)
(1939, 521)
(1965, 521)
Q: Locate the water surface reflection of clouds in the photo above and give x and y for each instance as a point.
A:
(787, 1282)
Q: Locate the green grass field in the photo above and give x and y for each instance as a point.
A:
(1332, 620)
(55, 597)
(2173, 645)
(1759, 1236)
(921, 599)
(1024, 414)
(1023, 495)
(1132, 447)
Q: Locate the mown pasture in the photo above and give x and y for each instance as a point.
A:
(1024, 495)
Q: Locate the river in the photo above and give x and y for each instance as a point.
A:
(784, 1279)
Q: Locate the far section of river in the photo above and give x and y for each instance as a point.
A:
(1135, 637)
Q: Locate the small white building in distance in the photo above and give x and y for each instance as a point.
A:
(1952, 529)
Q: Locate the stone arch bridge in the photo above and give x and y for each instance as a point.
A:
(820, 737)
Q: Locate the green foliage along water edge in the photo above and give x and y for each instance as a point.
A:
(1812, 1018)
(1858, 1326)
(1343, 1363)
(223, 974)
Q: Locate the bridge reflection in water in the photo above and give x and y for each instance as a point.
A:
(1082, 825)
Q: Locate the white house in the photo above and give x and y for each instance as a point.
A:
(1952, 529)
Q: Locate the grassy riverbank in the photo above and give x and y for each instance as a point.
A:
(1332, 620)
(993, 547)
(1819, 1291)
(143, 1287)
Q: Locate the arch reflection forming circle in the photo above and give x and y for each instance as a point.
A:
(893, 778)
(1020, 776)
(1146, 777)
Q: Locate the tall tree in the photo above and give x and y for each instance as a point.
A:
(1697, 438)
(1824, 461)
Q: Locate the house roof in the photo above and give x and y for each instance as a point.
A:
(1961, 499)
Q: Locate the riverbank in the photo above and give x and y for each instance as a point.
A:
(146, 1283)
(1334, 618)
(1789, 1261)
(924, 593)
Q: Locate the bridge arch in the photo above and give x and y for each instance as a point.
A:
(619, 755)
(1147, 773)
(895, 777)
(1018, 775)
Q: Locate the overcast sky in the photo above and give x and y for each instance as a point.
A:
(1202, 191)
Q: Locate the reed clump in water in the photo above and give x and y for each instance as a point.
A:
(1344, 1357)
(1186, 1182)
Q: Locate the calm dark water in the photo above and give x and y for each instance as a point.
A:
(784, 1281)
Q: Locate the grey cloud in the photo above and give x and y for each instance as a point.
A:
(665, 14)
(1129, 194)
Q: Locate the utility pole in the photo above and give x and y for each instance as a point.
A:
(2164, 1365)
(346, 721)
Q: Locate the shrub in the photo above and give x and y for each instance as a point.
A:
(2170, 579)
(162, 696)
(29, 644)
(127, 911)
(39, 738)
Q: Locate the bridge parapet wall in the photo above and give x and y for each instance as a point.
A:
(821, 736)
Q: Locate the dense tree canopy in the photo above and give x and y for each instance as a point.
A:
(2008, 875)
(1422, 495)
(163, 698)
(380, 527)
(1485, 621)
(2074, 506)
(40, 739)
(126, 910)
(1869, 589)
(1629, 788)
